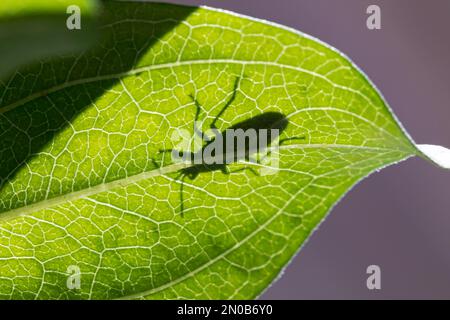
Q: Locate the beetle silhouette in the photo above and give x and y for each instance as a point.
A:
(271, 124)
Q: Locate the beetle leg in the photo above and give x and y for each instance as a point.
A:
(198, 109)
(227, 104)
(280, 142)
(178, 155)
(177, 178)
(225, 169)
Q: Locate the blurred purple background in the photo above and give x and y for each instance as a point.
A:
(398, 218)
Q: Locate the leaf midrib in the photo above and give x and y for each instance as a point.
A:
(46, 203)
(126, 181)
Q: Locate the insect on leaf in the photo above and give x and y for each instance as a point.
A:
(87, 182)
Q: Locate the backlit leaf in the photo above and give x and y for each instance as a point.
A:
(83, 182)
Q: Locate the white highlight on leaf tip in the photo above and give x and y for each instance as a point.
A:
(437, 154)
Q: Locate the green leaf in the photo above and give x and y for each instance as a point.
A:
(84, 184)
(33, 29)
